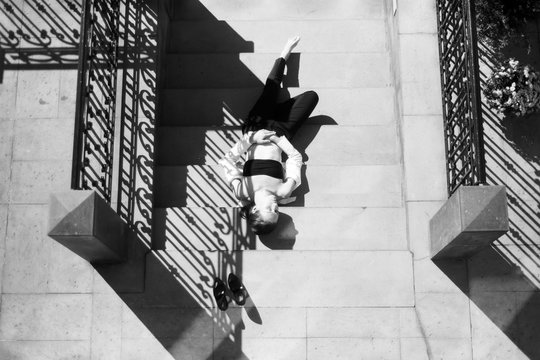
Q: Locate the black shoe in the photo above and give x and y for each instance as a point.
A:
(238, 290)
(220, 294)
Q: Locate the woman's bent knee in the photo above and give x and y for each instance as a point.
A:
(313, 96)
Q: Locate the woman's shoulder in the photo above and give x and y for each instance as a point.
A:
(240, 189)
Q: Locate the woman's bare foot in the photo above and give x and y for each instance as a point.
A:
(289, 46)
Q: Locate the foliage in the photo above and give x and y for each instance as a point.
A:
(499, 21)
(514, 89)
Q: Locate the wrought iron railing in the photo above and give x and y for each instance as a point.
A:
(96, 95)
(460, 85)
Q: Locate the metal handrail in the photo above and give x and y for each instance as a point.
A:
(460, 86)
(93, 144)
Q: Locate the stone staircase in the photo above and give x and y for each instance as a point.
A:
(340, 253)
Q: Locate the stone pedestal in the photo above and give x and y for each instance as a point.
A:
(471, 219)
(84, 223)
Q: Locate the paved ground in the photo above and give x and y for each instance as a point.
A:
(349, 274)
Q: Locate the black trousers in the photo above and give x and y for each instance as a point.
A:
(285, 118)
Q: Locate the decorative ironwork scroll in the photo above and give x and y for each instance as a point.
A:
(460, 93)
(138, 116)
(96, 94)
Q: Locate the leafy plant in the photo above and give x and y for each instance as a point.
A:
(499, 21)
(513, 89)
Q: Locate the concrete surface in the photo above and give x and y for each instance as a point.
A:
(54, 305)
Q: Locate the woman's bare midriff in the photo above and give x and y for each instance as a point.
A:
(258, 182)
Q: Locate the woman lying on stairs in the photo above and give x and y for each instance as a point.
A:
(261, 182)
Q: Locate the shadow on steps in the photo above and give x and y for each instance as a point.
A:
(501, 292)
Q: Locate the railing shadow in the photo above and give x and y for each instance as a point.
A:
(169, 292)
(504, 280)
(39, 35)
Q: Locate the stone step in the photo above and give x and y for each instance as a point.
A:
(322, 186)
(298, 228)
(281, 331)
(228, 107)
(321, 144)
(318, 36)
(284, 278)
(284, 10)
(335, 70)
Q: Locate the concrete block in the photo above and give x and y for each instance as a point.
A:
(470, 220)
(32, 182)
(353, 323)
(318, 36)
(251, 70)
(84, 223)
(37, 94)
(267, 10)
(43, 139)
(381, 278)
(332, 348)
(229, 107)
(424, 157)
(45, 350)
(46, 317)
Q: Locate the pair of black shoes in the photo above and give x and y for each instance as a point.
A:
(238, 291)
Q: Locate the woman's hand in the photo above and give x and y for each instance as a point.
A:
(289, 46)
(263, 136)
(274, 139)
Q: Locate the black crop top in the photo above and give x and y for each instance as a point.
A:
(271, 168)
